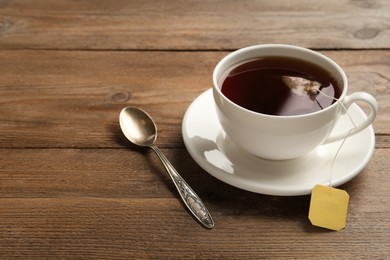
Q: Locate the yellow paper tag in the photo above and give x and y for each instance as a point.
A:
(328, 207)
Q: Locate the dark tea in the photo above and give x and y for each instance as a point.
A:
(280, 86)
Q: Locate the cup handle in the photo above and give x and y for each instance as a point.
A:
(348, 101)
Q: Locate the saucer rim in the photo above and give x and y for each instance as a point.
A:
(247, 185)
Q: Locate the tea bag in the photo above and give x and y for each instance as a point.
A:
(300, 85)
(328, 205)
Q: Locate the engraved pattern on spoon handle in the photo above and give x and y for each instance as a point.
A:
(190, 198)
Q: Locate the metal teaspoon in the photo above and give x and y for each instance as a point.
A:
(139, 128)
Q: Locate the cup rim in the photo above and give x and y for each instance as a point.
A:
(284, 46)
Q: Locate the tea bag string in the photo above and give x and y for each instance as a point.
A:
(344, 139)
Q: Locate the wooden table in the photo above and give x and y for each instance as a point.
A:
(71, 186)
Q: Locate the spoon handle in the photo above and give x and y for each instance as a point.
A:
(190, 199)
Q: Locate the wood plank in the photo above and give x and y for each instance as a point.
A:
(50, 94)
(71, 186)
(73, 98)
(129, 173)
(193, 25)
(147, 228)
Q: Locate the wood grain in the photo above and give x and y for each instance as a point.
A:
(73, 99)
(147, 228)
(134, 173)
(194, 25)
(72, 187)
(119, 203)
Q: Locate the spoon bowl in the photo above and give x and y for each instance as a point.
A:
(138, 126)
(140, 129)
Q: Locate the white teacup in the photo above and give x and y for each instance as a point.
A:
(284, 137)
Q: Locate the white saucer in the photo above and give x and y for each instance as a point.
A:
(215, 153)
